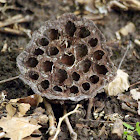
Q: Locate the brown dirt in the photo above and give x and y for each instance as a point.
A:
(110, 24)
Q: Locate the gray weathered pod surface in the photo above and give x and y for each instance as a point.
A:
(67, 59)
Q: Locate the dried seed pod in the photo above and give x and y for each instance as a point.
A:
(67, 59)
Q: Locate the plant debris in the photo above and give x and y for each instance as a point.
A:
(125, 4)
(127, 29)
(136, 95)
(102, 116)
(118, 128)
(17, 128)
(119, 84)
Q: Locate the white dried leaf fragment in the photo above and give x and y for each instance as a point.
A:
(136, 96)
(119, 84)
(129, 28)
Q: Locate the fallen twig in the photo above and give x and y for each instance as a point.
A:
(113, 4)
(132, 4)
(128, 46)
(137, 83)
(124, 5)
(100, 121)
(62, 118)
(90, 105)
(125, 107)
(10, 79)
(72, 133)
(52, 122)
(25, 31)
(11, 31)
(16, 19)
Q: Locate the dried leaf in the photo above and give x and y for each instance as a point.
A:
(17, 128)
(102, 131)
(2, 1)
(39, 110)
(23, 108)
(33, 100)
(43, 119)
(136, 96)
(129, 28)
(10, 110)
(118, 128)
(39, 116)
(119, 84)
(17, 109)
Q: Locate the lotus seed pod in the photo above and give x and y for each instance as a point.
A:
(67, 59)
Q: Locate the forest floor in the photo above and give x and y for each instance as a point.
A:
(109, 22)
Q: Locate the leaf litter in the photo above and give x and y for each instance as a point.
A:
(17, 109)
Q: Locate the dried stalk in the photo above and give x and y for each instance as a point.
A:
(52, 122)
(10, 79)
(128, 46)
(11, 31)
(72, 133)
(16, 19)
(90, 105)
(137, 83)
(62, 118)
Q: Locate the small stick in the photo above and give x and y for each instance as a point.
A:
(52, 122)
(137, 83)
(16, 19)
(100, 121)
(125, 107)
(90, 105)
(114, 3)
(72, 133)
(128, 46)
(62, 118)
(11, 31)
(10, 79)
